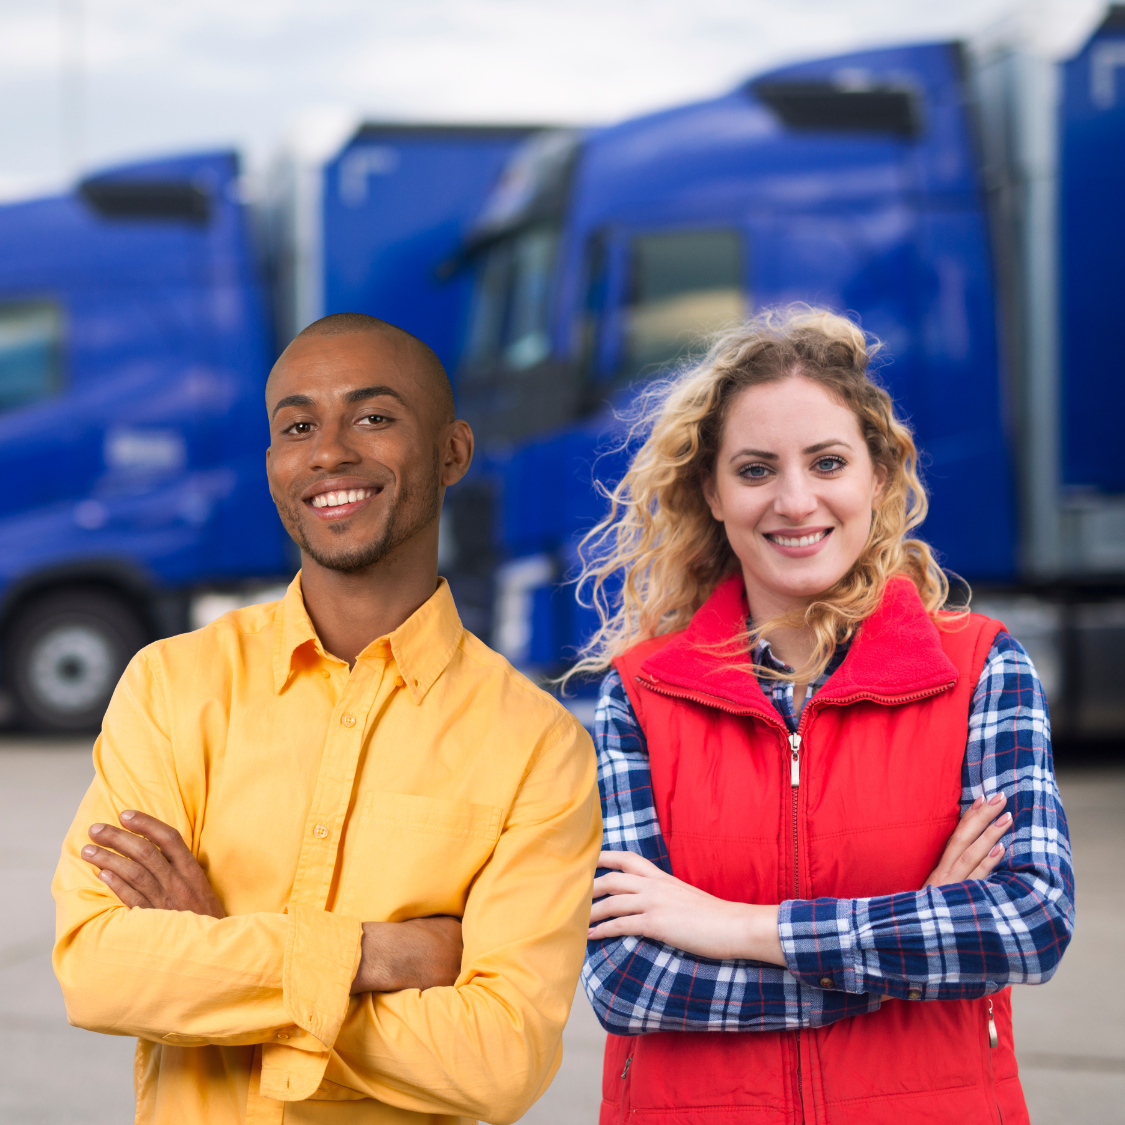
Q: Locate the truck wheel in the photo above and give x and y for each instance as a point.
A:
(64, 655)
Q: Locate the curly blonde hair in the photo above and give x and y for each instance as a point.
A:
(659, 553)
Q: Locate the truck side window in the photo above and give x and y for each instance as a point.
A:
(30, 353)
(683, 285)
(509, 325)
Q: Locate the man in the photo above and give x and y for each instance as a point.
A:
(301, 811)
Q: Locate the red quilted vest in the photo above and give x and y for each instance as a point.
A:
(877, 796)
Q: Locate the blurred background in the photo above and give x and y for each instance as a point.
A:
(563, 201)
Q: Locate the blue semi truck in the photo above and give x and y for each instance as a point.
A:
(944, 195)
(139, 318)
(965, 203)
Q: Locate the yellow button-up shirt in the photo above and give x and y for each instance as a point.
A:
(430, 778)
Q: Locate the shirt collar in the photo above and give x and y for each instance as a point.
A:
(762, 655)
(422, 645)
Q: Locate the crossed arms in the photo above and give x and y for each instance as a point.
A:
(149, 866)
(394, 1011)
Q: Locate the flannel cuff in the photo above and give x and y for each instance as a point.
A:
(820, 943)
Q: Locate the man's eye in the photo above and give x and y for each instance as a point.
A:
(375, 419)
(300, 428)
(829, 464)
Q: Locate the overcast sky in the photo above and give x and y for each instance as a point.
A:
(84, 83)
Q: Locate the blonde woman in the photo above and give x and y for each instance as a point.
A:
(805, 912)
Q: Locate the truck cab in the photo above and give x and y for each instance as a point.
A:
(606, 258)
(134, 347)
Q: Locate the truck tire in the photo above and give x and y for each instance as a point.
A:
(64, 654)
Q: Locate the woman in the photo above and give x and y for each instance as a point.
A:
(788, 732)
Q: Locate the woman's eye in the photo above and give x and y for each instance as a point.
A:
(755, 472)
(829, 464)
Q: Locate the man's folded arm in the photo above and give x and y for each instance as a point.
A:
(488, 1046)
(171, 975)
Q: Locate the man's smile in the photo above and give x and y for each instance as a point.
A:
(339, 497)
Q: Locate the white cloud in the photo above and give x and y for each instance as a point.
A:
(163, 76)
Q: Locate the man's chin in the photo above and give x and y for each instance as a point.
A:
(347, 558)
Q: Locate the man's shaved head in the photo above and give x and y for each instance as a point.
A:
(428, 366)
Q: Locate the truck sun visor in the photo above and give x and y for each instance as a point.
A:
(825, 107)
(157, 200)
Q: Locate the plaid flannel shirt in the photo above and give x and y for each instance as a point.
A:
(954, 942)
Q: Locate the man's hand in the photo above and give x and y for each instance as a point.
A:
(973, 850)
(421, 953)
(150, 866)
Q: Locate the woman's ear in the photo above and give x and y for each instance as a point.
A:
(711, 495)
(880, 485)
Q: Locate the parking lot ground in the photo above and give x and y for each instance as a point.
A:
(1070, 1034)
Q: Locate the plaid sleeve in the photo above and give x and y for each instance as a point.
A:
(636, 985)
(973, 938)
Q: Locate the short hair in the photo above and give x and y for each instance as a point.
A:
(352, 323)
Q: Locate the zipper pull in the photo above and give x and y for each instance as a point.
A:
(794, 760)
(627, 1062)
(993, 1038)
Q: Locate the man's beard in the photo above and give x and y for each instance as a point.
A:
(409, 513)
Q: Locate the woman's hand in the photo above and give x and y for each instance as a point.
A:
(645, 902)
(973, 849)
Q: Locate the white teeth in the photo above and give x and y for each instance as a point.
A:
(803, 541)
(335, 499)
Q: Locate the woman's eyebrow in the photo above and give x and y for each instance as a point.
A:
(825, 445)
(754, 453)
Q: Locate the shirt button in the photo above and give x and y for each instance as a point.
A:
(283, 1035)
(321, 831)
(914, 994)
(399, 682)
(826, 982)
(325, 673)
(348, 720)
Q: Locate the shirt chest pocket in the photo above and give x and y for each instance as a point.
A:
(410, 856)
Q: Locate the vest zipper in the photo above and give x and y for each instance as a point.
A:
(626, 1081)
(993, 1042)
(795, 788)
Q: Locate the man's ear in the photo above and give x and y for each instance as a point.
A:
(457, 452)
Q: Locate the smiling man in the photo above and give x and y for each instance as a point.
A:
(335, 862)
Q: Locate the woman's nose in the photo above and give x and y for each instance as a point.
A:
(795, 500)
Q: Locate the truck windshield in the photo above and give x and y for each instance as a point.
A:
(509, 321)
(683, 285)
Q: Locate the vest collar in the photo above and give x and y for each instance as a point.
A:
(895, 656)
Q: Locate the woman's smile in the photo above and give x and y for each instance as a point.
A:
(800, 542)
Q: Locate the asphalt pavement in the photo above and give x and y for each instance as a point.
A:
(1070, 1033)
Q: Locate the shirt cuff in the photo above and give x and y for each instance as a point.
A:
(820, 943)
(322, 953)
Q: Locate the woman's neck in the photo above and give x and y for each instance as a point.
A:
(792, 645)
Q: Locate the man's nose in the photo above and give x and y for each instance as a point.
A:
(331, 450)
